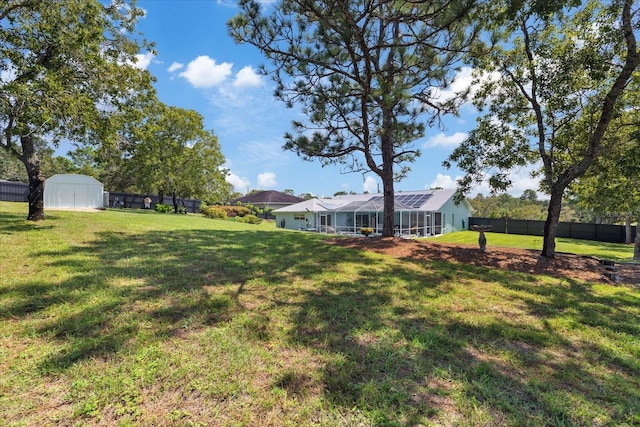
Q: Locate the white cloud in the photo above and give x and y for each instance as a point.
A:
(267, 180)
(447, 141)
(143, 60)
(175, 67)
(203, 72)
(443, 181)
(370, 185)
(240, 184)
(460, 84)
(247, 78)
(521, 180)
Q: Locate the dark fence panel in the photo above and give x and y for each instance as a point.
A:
(572, 230)
(14, 191)
(136, 201)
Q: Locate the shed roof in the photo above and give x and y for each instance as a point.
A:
(72, 178)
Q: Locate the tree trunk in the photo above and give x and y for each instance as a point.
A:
(161, 197)
(551, 223)
(627, 230)
(36, 179)
(174, 198)
(636, 246)
(389, 206)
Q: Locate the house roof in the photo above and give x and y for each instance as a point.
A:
(268, 197)
(425, 200)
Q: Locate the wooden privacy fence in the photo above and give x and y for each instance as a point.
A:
(572, 230)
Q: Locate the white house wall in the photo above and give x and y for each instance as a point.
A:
(456, 218)
(291, 223)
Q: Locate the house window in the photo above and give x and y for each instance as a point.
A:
(362, 220)
(300, 217)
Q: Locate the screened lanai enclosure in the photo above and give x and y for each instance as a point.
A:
(416, 213)
(409, 219)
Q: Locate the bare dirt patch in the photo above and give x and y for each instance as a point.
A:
(568, 266)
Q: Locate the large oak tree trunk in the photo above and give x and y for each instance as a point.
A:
(36, 179)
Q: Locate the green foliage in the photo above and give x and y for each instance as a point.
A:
(72, 76)
(248, 219)
(557, 111)
(168, 149)
(233, 211)
(164, 208)
(214, 212)
(365, 231)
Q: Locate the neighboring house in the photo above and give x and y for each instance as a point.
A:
(267, 199)
(418, 213)
(73, 191)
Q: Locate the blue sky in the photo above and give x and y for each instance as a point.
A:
(198, 66)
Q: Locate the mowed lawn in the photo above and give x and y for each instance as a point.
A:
(130, 317)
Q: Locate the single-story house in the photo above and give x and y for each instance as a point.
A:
(73, 191)
(417, 213)
(267, 199)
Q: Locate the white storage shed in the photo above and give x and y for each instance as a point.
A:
(73, 191)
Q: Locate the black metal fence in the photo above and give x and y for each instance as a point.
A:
(136, 201)
(14, 191)
(572, 230)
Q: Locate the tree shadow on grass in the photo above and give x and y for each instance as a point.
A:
(394, 355)
(388, 348)
(125, 286)
(14, 223)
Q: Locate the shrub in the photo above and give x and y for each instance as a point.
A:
(214, 212)
(163, 208)
(365, 231)
(233, 211)
(249, 219)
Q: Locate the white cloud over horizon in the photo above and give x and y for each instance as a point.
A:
(240, 184)
(203, 72)
(370, 185)
(443, 181)
(521, 181)
(267, 180)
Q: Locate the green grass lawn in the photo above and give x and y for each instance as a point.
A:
(613, 251)
(130, 317)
